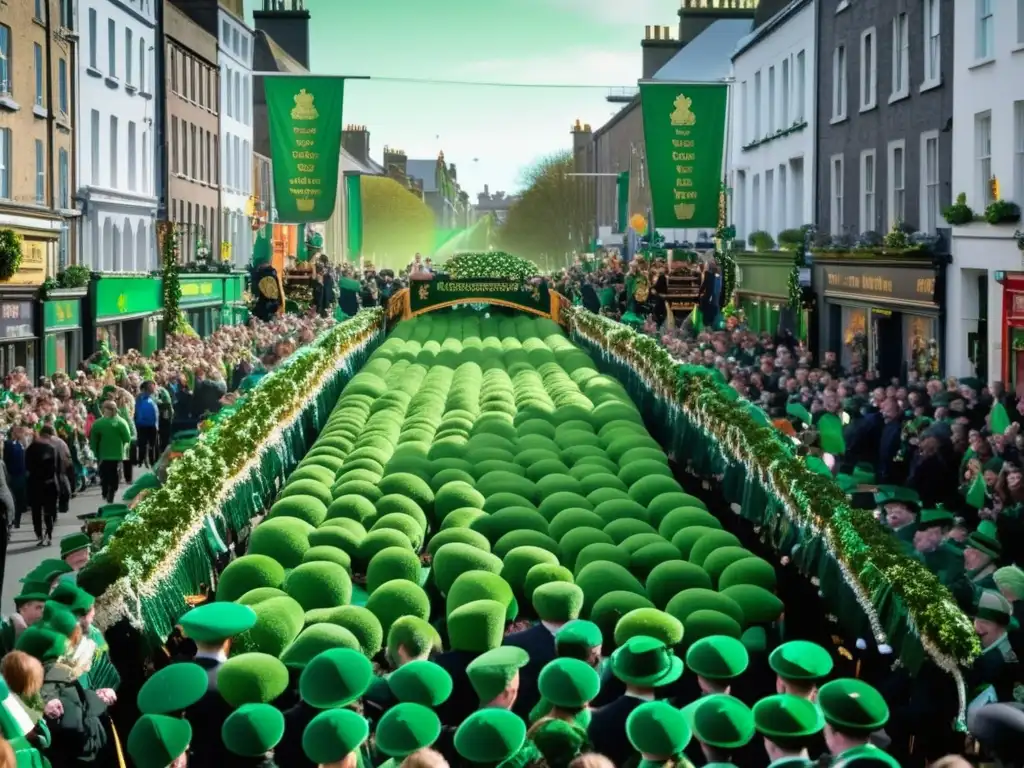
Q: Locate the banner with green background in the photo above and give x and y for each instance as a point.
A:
(354, 202)
(684, 133)
(427, 295)
(304, 117)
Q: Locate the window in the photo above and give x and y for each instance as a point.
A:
(246, 101)
(62, 86)
(210, 160)
(37, 14)
(1018, 149)
(40, 172)
(184, 149)
(145, 162)
(1020, 21)
(174, 144)
(94, 130)
(783, 202)
(111, 48)
(929, 181)
(216, 155)
(900, 57)
(173, 57)
(142, 65)
(984, 28)
(201, 99)
(64, 179)
(897, 181)
(5, 60)
(192, 152)
(37, 64)
(839, 83)
(784, 118)
(836, 217)
(745, 112)
(114, 176)
(129, 49)
(67, 15)
(132, 159)
(225, 32)
(238, 96)
(932, 11)
(868, 70)
(757, 105)
(755, 205)
(245, 49)
(769, 201)
(739, 197)
(771, 100)
(92, 38)
(983, 153)
(867, 190)
(801, 86)
(5, 163)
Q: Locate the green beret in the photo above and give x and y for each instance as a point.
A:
(490, 736)
(252, 730)
(335, 678)
(358, 620)
(558, 741)
(75, 599)
(647, 662)
(314, 640)
(251, 678)
(216, 622)
(568, 683)
(156, 741)
(759, 605)
(477, 626)
(576, 639)
(415, 635)
(649, 622)
(801, 661)
(852, 706)
(421, 682)
(717, 658)
(722, 721)
(405, 728)
(481, 585)
(749, 570)
(786, 720)
(173, 689)
(557, 601)
(490, 673)
(333, 735)
(74, 542)
(658, 729)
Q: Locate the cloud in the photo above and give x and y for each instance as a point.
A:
(635, 13)
(583, 66)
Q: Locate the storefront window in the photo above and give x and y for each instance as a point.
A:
(855, 338)
(111, 334)
(61, 344)
(920, 336)
(19, 355)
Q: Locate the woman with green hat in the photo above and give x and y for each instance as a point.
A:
(659, 733)
(568, 686)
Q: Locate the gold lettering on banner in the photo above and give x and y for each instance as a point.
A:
(866, 282)
(449, 287)
(683, 119)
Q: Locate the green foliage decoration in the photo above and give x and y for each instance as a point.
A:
(489, 265)
(171, 283)
(10, 253)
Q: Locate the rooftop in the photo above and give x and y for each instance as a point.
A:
(708, 57)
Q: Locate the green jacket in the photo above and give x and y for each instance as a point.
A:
(946, 562)
(110, 438)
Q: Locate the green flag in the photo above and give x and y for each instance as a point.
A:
(998, 419)
(304, 118)
(684, 135)
(976, 493)
(830, 429)
(354, 208)
(799, 411)
(697, 320)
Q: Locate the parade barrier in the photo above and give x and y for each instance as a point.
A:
(859, 566)
(161, 553)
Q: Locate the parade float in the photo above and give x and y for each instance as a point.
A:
(481, 422)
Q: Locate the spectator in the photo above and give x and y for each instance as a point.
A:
(147, 425)
(109, 440)
(17, 475)
(43, 462)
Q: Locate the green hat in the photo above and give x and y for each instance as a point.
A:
(414, 634)
(490, 736)
(216, 622)
(74, 543)
(108, 511)
(333, 735)
(558, 601)
(481, 585)
(568, 683)
(405, 728)
(985, 540)
(1009, 577)
(59, 619)
(173, 689)
(787, 720)
(852, 706)
(759, 605)
(576, 639)
(560, 742)
(646, 662)
(75, 599)
(930, 518)
(421, 682)
(314, 640)
(477, 626)
(899, 495)
(658, 729)
(867, 756)
(718, 657)
(335, 678)
(992, 606)
(800, 661)
(722, 721)
(42, 643)
(47, 570)
(156, 741)
(252, 730)
(251, 678)
(491, 672)
(32, 591)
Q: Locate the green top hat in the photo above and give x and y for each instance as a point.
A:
(421, 682)
(852, 706)
(718, 657)
(47, 570)
(173, 689)
(490, 736)
(568, 683)
(658, 729)
(722, 721)
(252, 730)
(985, 540)
(216, 622)
(646, 662)
(333, 735)
(491, 672)
(405, 728)
(800, 661)
(785, 719)
(156, 741)
(75, 542)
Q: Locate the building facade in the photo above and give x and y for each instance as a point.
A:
(884, 107)
(985, 289)
(37, 147)
(235, 57)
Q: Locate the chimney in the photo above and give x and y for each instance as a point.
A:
(582, 138)
(487, 190)
(658, 46)
(355, 140)
(697, 15)
(287, 21)
(396, 161)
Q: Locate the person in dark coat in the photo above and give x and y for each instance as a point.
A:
(42, 462)
(473, 629)
(710, 292)
(17, 475)
(264, 282)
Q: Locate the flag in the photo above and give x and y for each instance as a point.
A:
(977, 492)
(830, 429)
(697, 320)
(999, 419)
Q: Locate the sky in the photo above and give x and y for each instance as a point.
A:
(491, 133)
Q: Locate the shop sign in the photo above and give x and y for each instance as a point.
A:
(16, 319)
(66, 313)
(204, 291)
(125, 296)
(884, 283)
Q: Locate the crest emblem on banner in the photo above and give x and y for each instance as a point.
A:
(304, 109)
(682, 115)
(685, 211)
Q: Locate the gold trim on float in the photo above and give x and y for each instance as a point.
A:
(497, 302)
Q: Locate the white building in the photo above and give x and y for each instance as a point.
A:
(114, 133)
(235, 51)
(988, 143)
(771, 146)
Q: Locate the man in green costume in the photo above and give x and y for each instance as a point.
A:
(264, 282)
(901, 507)
(998, 665)
(853, 710)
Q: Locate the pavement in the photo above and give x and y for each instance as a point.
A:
(22, 552)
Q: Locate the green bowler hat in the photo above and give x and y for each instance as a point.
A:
(333, 735)
(785, 719)
(74, 543)
(173, 689)
(568, 683)
(658, 729)
(490, 736)
(722, 721)
(156, 741)
(647, 662)
(491, 672)
(421, 682)
(801, 661)
(405, 728)
(852, 706)
(216, 622)
(718, 657)
(335, 678)
(252, 730)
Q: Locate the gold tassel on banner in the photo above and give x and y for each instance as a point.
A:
(117, 745)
